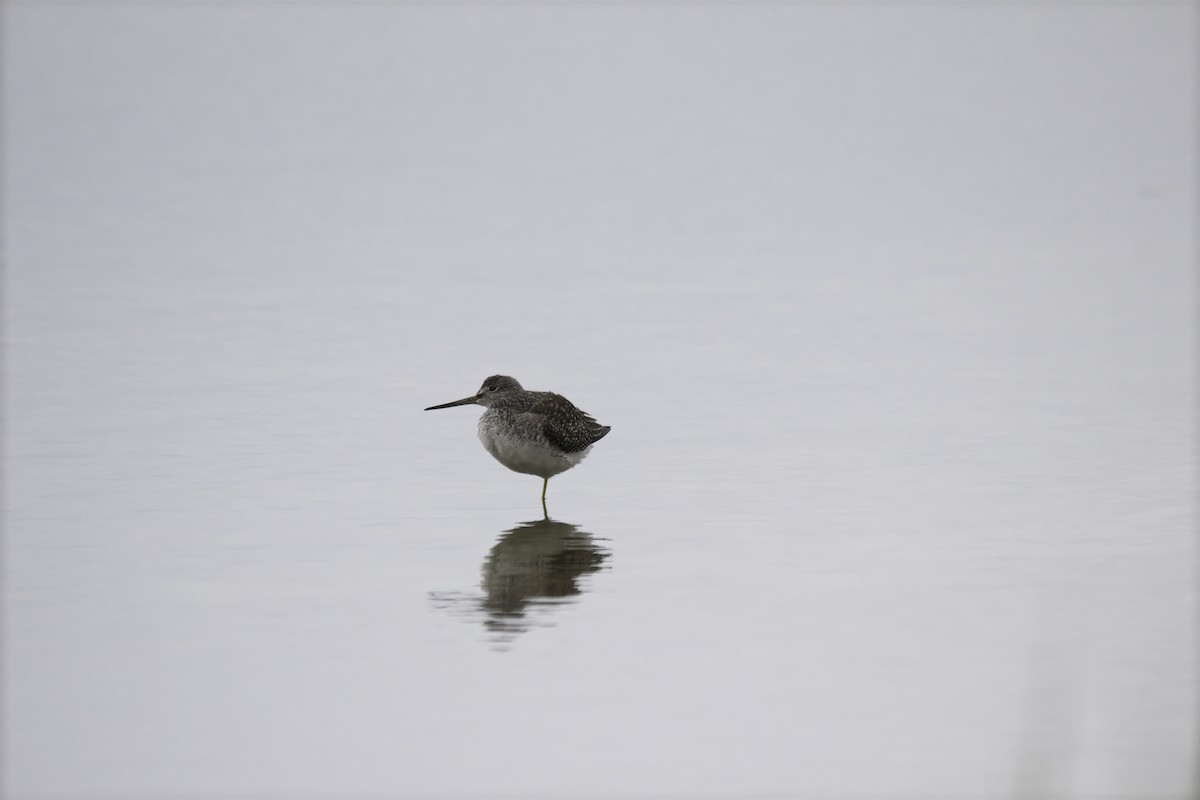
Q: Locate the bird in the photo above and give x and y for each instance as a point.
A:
(534, 433)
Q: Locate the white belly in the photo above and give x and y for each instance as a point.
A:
(528, 457)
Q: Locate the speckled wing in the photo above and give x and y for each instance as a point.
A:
(564, 425)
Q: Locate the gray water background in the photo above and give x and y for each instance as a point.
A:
(890, 306)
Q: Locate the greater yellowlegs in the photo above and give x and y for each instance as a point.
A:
(536, 433)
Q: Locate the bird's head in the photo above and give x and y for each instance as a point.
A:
(490, 392)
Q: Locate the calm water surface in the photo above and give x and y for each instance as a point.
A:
(898, 500)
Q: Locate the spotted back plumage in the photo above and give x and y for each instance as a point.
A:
(568, 428)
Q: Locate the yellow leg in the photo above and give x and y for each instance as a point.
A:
(545, 483)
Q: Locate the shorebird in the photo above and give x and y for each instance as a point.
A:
(535, 433)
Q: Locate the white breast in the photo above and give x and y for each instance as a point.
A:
(530, 458)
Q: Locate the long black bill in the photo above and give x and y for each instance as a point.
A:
(462, 402)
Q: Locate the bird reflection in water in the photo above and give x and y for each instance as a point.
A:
(531, 569)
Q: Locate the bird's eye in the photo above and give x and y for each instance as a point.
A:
(492, 388)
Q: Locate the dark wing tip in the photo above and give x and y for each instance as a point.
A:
(578, 438)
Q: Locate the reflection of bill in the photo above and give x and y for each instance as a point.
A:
(534, 566)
